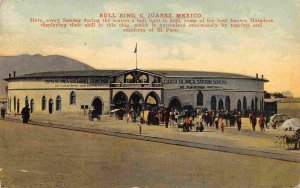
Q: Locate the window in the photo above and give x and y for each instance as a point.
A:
(15, 103)
(18, 106)
(31, 105)
(58, 103)
(44, 101)
(72, 98)
(143, 78)
(199, 99)
(129, 78)
(239, 105)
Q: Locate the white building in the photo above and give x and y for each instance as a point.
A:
(104, 90)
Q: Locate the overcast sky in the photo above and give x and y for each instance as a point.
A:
(273, 51)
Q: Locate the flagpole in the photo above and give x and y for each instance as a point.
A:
(136, 56)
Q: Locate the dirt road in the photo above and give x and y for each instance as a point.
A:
(32, 156)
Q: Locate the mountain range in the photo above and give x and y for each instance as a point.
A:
(25, 64)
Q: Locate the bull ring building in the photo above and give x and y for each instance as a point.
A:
(105, 90)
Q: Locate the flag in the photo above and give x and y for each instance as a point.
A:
(135, 50)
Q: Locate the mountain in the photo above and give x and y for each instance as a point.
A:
(25, 64)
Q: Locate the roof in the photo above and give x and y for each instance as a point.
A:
(109, 73)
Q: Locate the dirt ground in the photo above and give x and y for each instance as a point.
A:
(32, 156)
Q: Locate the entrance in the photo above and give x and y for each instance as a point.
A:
(120, 100)
(152, 100)
(175, 104)
(136, 102)
(50, 106)
(97, 105)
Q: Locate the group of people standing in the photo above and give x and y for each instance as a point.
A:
(197, 118)
(261, 121)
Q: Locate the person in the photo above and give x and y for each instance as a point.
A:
(167, 117)
(172, 116)
(25, 113)
(129, 116)
(3, 110)
(253, 121)
(239, 122)
(186, 125)
(200, 127)
(261, 122)
(217, 122)
(176, 116)
(221, 122)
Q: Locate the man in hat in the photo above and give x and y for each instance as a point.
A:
(25, 113)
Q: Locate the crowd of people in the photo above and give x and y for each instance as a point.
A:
(189, 118)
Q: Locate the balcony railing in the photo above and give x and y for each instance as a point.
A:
(136, 85)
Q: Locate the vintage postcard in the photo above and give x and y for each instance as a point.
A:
(161, 93)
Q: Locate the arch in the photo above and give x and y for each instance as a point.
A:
(213, 103)
(175, 103)
(31, 105)
(44, 101)
(50, 107)
(260, 105)
(244, 104)
(200, 99)
(129, 78)
(97, 104)
(58, 103)
(136, 101)
(239, 105)
(120, 100)
(227, 103)
(152, 99)
(72, 98)
(220, 104)
(255, 105)
(252, 105)
(26, 101)
(18, 106)
(143, 78)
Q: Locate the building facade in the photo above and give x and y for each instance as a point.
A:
(105, 90)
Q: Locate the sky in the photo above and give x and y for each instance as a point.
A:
(273, 50)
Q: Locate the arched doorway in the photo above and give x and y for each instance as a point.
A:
(120, 100)
(213, 103)
(31, 105)
(227, 103)
(50, 106)
(256, 105)
(97, 105)
(220, 105)
(152, 99)
(252, 105)
(200, 99)
(136, 102)
(175, 103)
(239, 105)
(244, 104)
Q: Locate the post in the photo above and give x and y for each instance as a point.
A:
(140, 128)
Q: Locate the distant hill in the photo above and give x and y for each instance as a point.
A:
(24, 64)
